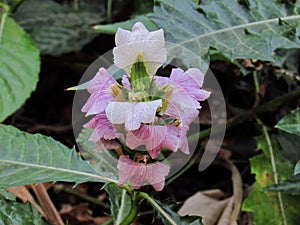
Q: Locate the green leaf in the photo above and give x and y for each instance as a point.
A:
(291, 186)
(20, 65)
(291, 122)
(57, 28)
(297, 168)
(105, 163)
(172, 209)
(120, 202)
(7, 195)
(228, 28)
(266, 205)
(12, 213)
(27, 159)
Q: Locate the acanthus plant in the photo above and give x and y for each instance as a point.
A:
(145, 116)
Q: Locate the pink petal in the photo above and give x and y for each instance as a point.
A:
(101, 92)
(102, 128)
(102, 81)
(138, 174)
(191, 81)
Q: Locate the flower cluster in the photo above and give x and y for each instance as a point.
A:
(144, 115)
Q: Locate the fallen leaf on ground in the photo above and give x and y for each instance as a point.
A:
(211, 205)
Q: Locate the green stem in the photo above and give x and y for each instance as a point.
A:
(76, 5)
(109, 10)
(257, 89)
(158, 207)
(133, 211)
(274, 168)
(108, 222)
(3, 18)
(85, 197)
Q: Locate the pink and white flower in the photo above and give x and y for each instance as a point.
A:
(139, 45)
(139, 174)
(128, 112)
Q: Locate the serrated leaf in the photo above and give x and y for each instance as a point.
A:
(105, 163)
(57, 28)
(171, 209)
(12, 213)
(291, 122)
(27, 159)
(120, 202)
(227, 28)
(20, 65)
(266, 205)
(4, 193)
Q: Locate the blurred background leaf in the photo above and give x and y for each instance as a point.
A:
(63, 27)
(20, 66)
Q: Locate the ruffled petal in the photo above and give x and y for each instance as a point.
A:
(102, 128)
(137, 44)
(101, 93)
(132, 113)
(191, 81)
(139, 174)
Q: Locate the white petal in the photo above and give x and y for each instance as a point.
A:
(117, 112)
(132, 113)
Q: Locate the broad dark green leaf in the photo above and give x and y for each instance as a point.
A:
(20, 65)
(120, 202)
(27, 159)
(57, 28)
(291, 122)
(14, 213)
(171, 209)
(266, 205)
(228, 28)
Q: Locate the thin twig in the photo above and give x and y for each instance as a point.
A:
(52, 214)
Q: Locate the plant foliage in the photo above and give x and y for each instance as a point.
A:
(20, 65)
(253, 30)
(27, 159)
